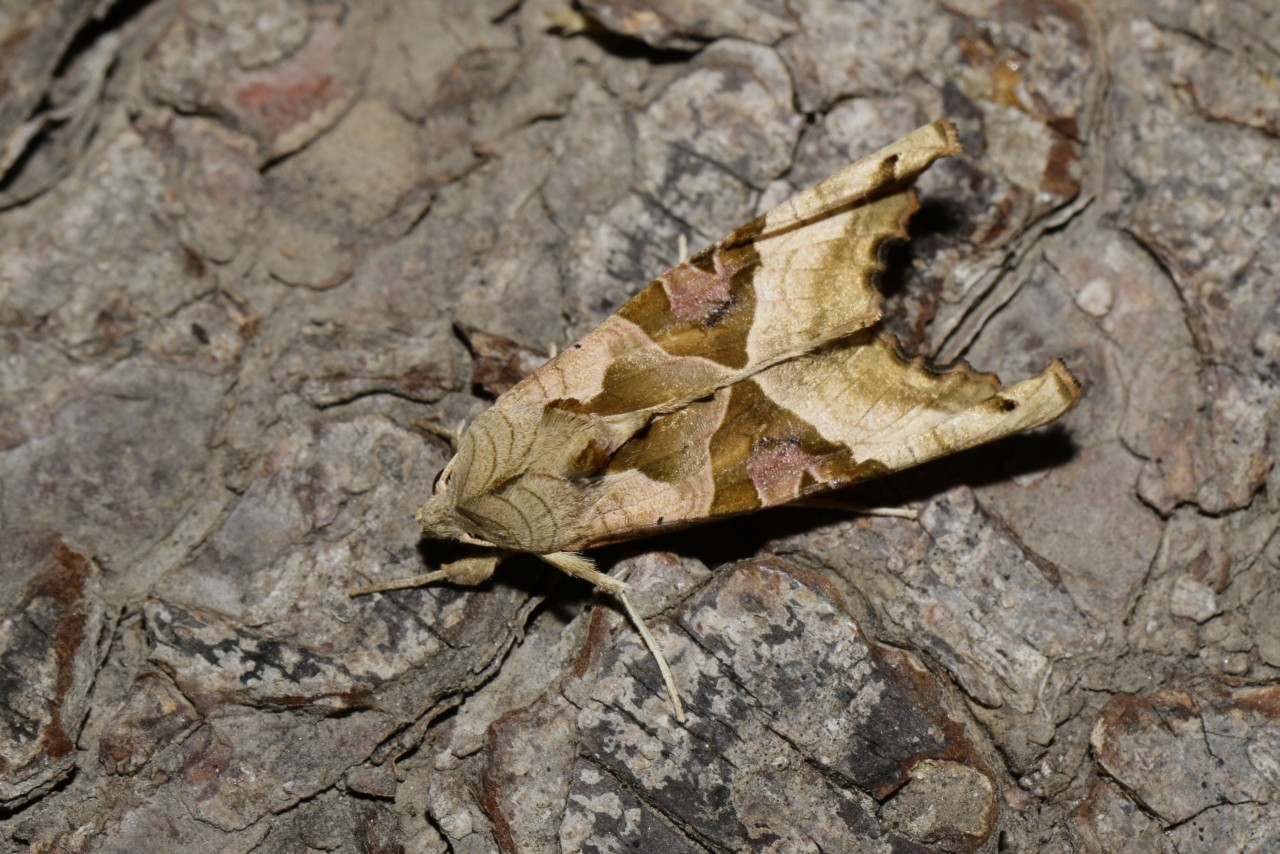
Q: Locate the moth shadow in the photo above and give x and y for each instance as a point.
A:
(985, 465)
(563, 596)
(932, 226)
(715, 543)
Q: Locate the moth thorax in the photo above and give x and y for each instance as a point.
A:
(438, 519)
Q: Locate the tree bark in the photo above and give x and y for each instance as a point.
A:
(257, 259)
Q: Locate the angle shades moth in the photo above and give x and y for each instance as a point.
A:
(747, 376)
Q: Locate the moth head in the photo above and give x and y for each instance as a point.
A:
(439, 519)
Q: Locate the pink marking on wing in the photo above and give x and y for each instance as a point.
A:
(696, 295)
(777, 471)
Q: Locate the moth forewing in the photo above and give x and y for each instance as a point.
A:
(744, 377)
(808, 265)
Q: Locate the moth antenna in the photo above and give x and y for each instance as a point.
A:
(583, 567)
(399, 584)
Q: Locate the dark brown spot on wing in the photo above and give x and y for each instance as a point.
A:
(703, 307)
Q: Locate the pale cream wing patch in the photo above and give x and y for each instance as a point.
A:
(897, 413)
(816, 283)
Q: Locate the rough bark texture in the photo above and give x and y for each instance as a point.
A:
(236, 237)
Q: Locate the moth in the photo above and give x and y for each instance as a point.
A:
(748, 376)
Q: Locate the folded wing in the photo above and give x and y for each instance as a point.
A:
(786, 283)
(845, 413)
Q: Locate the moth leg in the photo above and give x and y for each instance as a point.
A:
(581, 567)
(469, 571)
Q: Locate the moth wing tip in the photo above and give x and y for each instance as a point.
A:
(1066, 380)
(951, 137)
